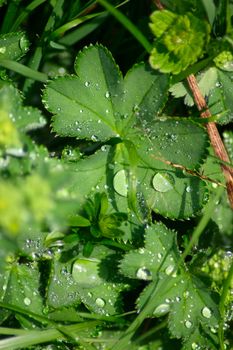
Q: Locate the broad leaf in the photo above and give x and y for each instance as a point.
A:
(98, 104)
(187, 300)
(132, 117)
(13, 46)
(22, 289)
(25, 118)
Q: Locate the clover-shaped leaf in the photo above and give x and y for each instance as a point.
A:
(98, 104)
(180, 40)
(191, 306)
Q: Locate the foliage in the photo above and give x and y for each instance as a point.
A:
(109, 228)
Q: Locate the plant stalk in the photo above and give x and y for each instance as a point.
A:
(215, 138)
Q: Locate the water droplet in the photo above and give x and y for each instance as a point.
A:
(107, 94)
(87, 83)
(163, 182)
(170, 270)
(2, 49)
(94, 138)
(206, 312)
(100, 302)
(188, 189)
(81, 111)
(213, 330)
(86, 272)
(120, 183)
(188, 324)
(27, 301)
(178, 299)
(161, 310)
(186, 294)
(144, 274)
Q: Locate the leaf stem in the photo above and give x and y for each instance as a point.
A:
(226, 285)
(128, 24)
(23, 70)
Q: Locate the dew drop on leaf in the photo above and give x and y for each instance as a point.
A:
(170, 270)
(85, 272)
(100, 302)
(120, 183)
(144, 274)
(107, 94)
(161, 310)
(194, 346)
(2, 49)
(27, 301)
(94, 138)
(188, 189)
(206, 312)
(87, 83)
(162, 182)
(188, 324)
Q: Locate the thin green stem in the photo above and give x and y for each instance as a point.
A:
(203, 222)
(28, 9)
(127, 24)
(39, 337)
(23, 70)
(72, 24)
(224, 295)
(38, 54)
(9, 17)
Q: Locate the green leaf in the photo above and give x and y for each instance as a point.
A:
(206, 82)
(21, 287)
(62, 290)
(13, 45)
(187, 300)
(132, 112)
(98, 104)
(220, 98)
(23, 118)
(98, 288)
(159, 255)
(181, 40)
(87, 280)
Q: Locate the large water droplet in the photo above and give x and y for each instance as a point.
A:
(27, 301)
(161, 310)
(144, 274)
(120, 183)
(107, 94)
(188, 324)
(87, 83)
(163, 182)
(85, 272)
(206, 312)
(100, 302)
(170, 270)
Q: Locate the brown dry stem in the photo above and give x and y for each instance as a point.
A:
(215, 139)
